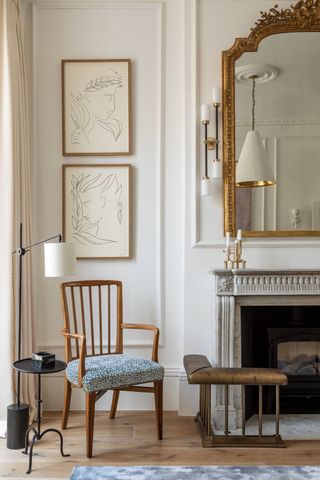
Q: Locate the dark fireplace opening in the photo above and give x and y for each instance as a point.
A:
(288, 338)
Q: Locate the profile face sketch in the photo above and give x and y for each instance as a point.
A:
(96, 204)
(94, 108)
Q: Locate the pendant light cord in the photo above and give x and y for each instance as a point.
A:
(253, 100)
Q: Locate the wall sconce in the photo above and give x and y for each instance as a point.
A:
(211, 143)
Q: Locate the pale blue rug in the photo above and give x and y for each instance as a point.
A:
(195, 473)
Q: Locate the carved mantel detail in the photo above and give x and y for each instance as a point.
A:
(225, 284)
(267, 282)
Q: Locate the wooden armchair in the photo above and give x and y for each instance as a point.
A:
(93, 331)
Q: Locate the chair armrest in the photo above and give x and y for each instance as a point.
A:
(152, 328)
(82, 356)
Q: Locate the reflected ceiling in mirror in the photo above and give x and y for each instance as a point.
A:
(287, 117)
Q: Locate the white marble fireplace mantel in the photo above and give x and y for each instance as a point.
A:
(249, 287)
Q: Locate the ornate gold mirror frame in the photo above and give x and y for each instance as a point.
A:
(302, 17)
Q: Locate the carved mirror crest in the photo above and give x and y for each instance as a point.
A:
(283, 52)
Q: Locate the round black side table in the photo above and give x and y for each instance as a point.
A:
(27, 366)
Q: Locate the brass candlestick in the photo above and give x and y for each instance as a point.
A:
(228, 263)
(234, 254)
(238, 260)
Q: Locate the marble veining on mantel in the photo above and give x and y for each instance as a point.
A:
(267, 282)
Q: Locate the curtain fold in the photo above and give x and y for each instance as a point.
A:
(15, 206)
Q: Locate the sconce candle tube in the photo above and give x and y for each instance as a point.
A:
(216, 107)
(205, 113)
(216, 171)
(216, 96)
(205, 150)
(205, 186)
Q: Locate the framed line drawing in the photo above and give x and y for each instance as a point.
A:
(96, 209)
(96, 107)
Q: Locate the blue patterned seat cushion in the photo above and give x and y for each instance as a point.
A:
(111, 371)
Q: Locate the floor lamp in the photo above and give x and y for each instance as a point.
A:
(60, 261)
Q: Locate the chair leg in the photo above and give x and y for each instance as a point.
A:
(66, 405)
(114, 404)
(158, 393)
(90, 407)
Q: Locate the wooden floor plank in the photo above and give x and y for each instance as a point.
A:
(130, 439)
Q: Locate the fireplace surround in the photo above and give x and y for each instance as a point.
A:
(237, 289)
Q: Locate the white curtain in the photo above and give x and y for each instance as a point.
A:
(15, 206)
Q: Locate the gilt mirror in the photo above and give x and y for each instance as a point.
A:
(271, 84)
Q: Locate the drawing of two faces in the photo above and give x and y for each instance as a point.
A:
(97, 208)
(93, 108)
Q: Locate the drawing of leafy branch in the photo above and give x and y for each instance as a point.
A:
(103, 81)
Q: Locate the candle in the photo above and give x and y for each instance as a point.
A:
(216, 169)
(239, 234)
(205, 186)
(205, 113)
(228, 239)
(216, 95)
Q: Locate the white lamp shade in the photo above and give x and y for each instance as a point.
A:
(59, 259)
(253, 169)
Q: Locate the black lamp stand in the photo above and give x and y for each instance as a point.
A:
(18, 413)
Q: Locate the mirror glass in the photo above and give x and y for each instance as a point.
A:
(287, 116)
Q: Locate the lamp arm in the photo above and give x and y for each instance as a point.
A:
(23, 250)
(46, 240)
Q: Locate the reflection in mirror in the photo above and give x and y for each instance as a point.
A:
(287, 116)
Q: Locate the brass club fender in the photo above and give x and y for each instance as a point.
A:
(200, 372)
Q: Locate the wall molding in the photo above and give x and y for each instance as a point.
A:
(94, 4)
(159, 7)
(290, 122)
(192, 147)
(263, 243)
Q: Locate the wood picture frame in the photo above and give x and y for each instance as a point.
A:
(96, 107)
(96, 209)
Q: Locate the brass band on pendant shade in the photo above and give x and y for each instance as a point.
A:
(253, 169)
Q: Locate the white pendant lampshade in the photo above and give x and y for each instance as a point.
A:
(253, 169)
(59, 259)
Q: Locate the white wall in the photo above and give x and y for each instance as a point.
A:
(211, 27)
(176, 49)
(146, 33)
